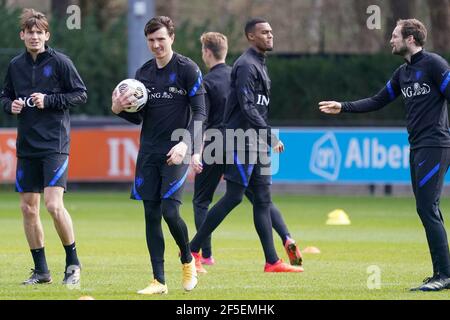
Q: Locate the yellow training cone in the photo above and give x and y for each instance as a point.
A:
(338, 217)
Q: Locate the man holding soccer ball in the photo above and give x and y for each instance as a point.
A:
(424, 82)
(41, 86)
(175, 101)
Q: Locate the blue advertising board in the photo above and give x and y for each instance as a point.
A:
(343, 155)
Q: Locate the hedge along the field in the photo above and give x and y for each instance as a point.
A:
(99, 56)
(298, 82)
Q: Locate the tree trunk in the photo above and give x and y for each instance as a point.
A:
(166, 8)
(440, 24)
(316, 27)
(84, 7)
(59, 8)
(401, 9)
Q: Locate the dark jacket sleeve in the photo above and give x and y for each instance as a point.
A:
(207, 104)
(386, 95)
(246, 77)
(74, 91)
(440, 72)
(196, 95)
(7, 95)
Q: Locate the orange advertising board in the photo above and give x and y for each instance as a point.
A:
(101, 154)
(7, 155)
(107, 154)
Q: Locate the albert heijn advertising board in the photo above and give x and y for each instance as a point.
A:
(313, 155)
(345, 155)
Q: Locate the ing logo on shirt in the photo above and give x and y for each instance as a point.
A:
(181, 92)
(159, 95)
(28, 102)
(416, 90)
(263, 100)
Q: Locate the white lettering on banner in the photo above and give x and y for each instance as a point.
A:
(122, 156)
(354, 155)
(114, 156)
(375, 155)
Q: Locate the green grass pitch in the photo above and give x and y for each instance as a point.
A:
(385, 232)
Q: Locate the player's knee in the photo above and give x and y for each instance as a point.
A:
(233, 197)
(234, 200)
(29, 212)
(55, 208)
(262, 196)
(428, 212)
(169, 209)
(201, 203)
(152, 210)
(152, 217)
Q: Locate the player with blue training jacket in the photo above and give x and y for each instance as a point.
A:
(41, 86)
(424, 82)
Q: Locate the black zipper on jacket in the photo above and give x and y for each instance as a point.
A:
(33, 76)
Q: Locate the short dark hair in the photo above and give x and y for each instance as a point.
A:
(159, 22)
(30, 18)
(415, 28)
(250, 25)
(216, 42)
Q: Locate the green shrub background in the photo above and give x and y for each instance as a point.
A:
(299, 82)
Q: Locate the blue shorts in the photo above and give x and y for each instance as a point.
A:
(35, 174)
(155, 180)
(247, 171)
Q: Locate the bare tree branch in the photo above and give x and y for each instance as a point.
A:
(440, 24)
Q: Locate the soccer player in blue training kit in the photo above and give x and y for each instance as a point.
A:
(41, 86)
(217, 86)
(176, 101)
(247, 108)
(423, 80)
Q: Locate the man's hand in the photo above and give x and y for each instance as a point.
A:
(177, 153)
(38, 99)
(196, 163)
(122, 101)
(279, 147)
(17, 106)
(330, 107)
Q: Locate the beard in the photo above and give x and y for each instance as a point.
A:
(402, 51)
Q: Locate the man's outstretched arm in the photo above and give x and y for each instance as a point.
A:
(385, 96)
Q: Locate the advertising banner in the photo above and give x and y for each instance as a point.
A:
(313, 155)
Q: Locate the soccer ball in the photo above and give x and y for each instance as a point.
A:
(140, 93)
